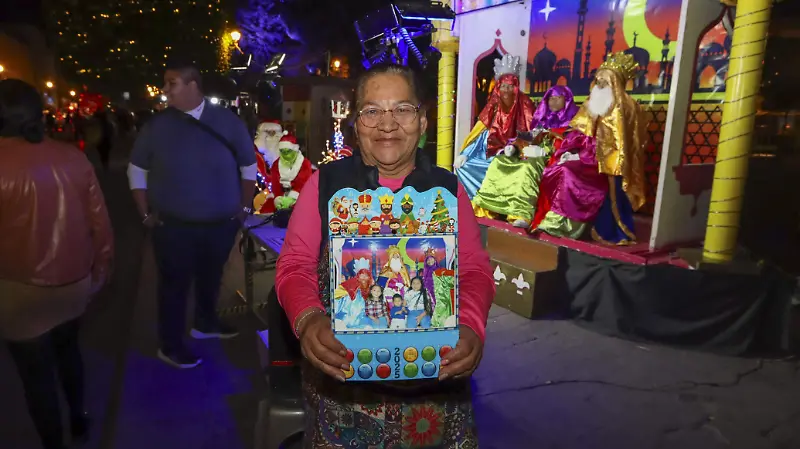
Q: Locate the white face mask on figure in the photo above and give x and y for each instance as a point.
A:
(600, 101)
(396, 265)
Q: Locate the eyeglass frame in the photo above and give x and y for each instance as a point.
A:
(383, 114)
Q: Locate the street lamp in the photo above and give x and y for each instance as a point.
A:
(337, 63)
(2, 69)
(235, 36)
(72, 93)
(49, 84)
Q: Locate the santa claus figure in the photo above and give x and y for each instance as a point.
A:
(268, 135)
(288, 175)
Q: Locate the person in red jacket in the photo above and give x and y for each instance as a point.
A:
(288, 175)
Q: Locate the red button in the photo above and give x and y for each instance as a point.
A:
(350, 356)
(444, 350)
(383, 371)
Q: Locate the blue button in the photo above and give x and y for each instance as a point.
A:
(365, 371)
(428, 369)
(383, 355)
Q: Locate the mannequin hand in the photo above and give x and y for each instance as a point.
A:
(284, 202)
(566, 157)
(533, 151)
(460, 161)
(509, 150)
(286, 185)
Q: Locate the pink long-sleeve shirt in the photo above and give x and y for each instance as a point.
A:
(297, 280)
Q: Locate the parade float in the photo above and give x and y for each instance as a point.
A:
(675, 171)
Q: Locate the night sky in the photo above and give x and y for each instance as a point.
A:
(21, 11)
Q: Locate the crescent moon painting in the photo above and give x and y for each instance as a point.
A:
(569, 41)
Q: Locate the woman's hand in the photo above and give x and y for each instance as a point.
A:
(321, 348)
(419, 318)
(464, 359)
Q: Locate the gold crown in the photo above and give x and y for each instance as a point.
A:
(622, 63)
(386, 200)
(407, 201)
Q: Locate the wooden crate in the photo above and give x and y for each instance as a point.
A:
(525, 272)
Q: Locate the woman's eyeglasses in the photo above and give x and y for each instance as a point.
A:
(404, 115)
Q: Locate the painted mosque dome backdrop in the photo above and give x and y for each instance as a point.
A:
(570, 39)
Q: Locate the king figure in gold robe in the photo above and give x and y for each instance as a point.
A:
(597, 176)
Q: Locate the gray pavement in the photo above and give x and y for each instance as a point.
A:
(542, 384)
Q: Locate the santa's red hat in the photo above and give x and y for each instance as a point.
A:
(288, 142)
(273, 125)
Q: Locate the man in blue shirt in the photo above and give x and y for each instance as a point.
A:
(192, 188)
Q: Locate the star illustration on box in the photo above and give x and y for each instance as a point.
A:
(394, 281)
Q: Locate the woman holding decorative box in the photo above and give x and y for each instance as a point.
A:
(388, 126)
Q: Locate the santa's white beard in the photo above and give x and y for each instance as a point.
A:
(600, 101)
(396, 265)
(269, 147)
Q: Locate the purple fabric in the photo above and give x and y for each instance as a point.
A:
(427, 279)
(576, 188)
(544, 118)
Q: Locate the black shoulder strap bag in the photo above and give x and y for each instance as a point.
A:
(219, 137)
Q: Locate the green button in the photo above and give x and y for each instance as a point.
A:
(365, 356)
(428, 353)
(411, 370)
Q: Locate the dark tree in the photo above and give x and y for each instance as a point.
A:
(263, 29)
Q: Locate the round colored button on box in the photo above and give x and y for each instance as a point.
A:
(383, 355)
(350, 356)
(428, 353)
(365, 371)
(410, 354)
(411, 370)
(428, 369)
(383, 371)
(348, 373)
(365, 356)
(444, 350)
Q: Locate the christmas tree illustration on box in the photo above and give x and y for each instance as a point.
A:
(440, 216)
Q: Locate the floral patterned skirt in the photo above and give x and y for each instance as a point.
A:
(394, 415)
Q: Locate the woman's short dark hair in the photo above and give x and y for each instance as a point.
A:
(407, 73)
(21, 111)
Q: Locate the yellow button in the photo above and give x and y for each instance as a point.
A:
(410, 354)
(348, 373)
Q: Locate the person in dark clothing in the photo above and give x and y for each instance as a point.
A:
(192, 173)
(106, 137)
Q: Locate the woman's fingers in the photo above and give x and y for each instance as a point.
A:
(330, 351)
(324, 367)
(327, 339)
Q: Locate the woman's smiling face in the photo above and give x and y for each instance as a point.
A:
(389, 143)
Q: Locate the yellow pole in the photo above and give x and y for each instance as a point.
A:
(736, 132)
(445, 119)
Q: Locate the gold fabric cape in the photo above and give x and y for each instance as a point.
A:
(621, 138)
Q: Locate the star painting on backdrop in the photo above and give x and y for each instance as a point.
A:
(394, 263)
